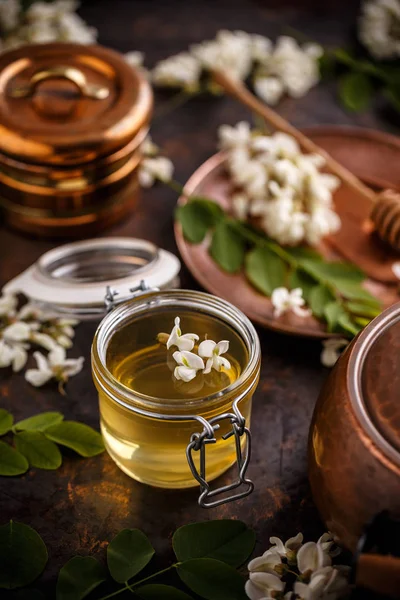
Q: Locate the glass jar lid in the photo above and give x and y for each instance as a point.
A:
(67, 103)
(82, 278)
(374, 381)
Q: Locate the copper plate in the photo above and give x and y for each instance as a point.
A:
(373, 156)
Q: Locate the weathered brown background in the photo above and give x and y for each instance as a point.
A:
(78, 508)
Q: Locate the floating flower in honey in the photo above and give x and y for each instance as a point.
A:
(188, 365)
(182, 342)
(212, 351)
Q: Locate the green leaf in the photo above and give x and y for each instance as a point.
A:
(23, 555)
(227, 247)
(197, 217)
(301, 253)
(128, 553)
(320, 296)
(363, 310)
(392, 93)
(77, 436)
(158, 591)
(265, 270)
(226, 540)
(355, 91)
(361, 321)
(212, 579)
(11, 461)
(39, 422)
(348, 325)
(333, 271)
(38, 450)
(327, 65)
(353, 291)
(332, 313)
(78, 577)
(6, 421)
(301, 279)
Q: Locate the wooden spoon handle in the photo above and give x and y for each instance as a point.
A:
(241, 93)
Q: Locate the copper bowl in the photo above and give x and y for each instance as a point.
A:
(354, 443)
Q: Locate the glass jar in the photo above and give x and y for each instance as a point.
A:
(176, 442)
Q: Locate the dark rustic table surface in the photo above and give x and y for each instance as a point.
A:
(78, 508)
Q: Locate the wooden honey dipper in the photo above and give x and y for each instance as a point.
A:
(385, 213)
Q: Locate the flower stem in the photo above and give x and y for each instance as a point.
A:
(176, 101)
(131, 587)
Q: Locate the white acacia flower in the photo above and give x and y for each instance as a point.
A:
(43, 340)
(8, 305)
(149, 148)
(284, 300)
(237, 136)
(332, 349)
(321, 222)
(41, 32)
(311, 557)
(379, 28)
(240, 205)
(326, 541)
(327, 583)
(74, 29)
(288, 548)
(182, 342)
(267, 563)
(13, 354)
(17, 332)
(263, 586)
(9, 14)
(152, 169)
(188, 365)
(55, 366)
(279, 186)
(260, 47)
(270, 89)
(181, 70)
(395, 269)
(230, 51)
(134, 58)
(212, 352)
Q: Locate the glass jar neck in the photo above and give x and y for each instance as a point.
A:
(177, 300)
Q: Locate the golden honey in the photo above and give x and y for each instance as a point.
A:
(146, 413)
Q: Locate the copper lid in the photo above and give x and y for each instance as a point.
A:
(69, 103)
(374, 381)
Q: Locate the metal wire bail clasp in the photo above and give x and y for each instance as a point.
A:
(111, 300)
(198, 442)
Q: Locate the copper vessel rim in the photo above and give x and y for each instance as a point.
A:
(357, 359)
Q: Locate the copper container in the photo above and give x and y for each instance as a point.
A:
(354, 444)
(72, 122)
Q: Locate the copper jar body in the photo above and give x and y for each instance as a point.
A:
(354, 442)
(74, 119)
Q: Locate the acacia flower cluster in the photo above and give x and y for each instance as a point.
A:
(29, 326)
(286, 67)
(188, 362)
(379, 28)
(278, 186)
(42, 22)
(294, 570)
(153, 167)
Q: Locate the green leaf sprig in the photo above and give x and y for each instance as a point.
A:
(333, 290)
(34, 441)
(207, 557)
(360, 79)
